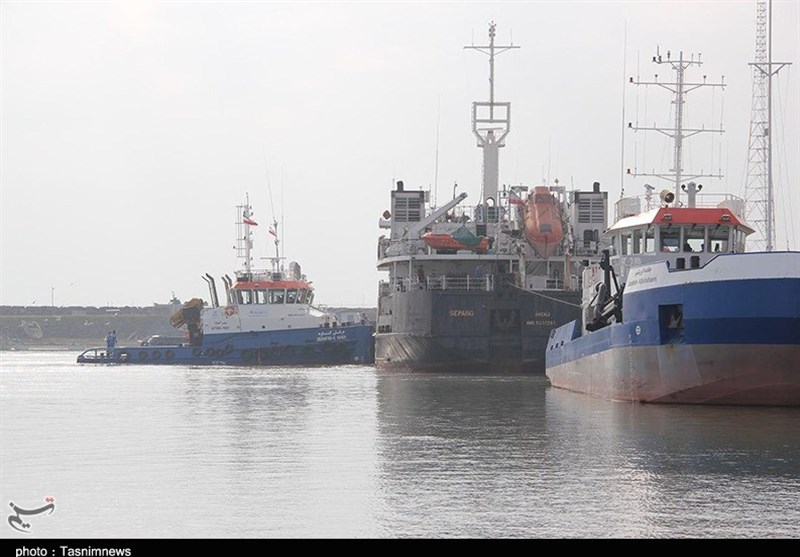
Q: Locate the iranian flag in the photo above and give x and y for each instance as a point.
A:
(272, 231)
(247, 220)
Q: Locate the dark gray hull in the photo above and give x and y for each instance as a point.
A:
(503, 331)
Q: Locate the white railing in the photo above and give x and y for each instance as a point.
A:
(446, 282)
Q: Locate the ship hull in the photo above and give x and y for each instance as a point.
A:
(728, 333)
(300, 347)
(741, 374)
(483, 332)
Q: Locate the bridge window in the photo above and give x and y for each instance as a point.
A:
(244, 297)
(650, 240)
(670, 239)
(301, 296)
(261, 296)
(637, 241)
(718, 238)
(277, 295)
(291, 296)
(739, 239)
(627, 243)
(694, 238)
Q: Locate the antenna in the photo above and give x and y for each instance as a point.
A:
(244, 237)
(274, 228)
(679, 88)
(490, 128)
(622, 139)
(759, 191)
(436, 165)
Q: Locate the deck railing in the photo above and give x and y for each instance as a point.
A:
(446, 282)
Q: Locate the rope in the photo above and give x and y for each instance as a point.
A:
(548, 297)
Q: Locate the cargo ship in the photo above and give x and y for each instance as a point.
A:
(478, 288)
(266, 318)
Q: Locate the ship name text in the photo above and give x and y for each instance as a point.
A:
(462, 313)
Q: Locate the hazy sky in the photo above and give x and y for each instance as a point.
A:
(130, 130)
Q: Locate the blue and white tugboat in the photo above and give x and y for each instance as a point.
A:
(266, 318)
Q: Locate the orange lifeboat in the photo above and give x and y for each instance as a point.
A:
(452, 242)
(543, 221)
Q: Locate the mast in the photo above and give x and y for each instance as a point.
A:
(759, 189)
(491, 122)
(678, 133)
(244, 236)
(276, 261)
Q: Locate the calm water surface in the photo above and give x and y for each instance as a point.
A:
(143, 452)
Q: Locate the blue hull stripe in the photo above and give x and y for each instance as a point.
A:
(713, 300)
(764, 311)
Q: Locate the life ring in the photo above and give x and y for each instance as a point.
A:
(211, 352)
(228, 349)
(156, 355)
(197, 352)
(169, 355)
(143, 355)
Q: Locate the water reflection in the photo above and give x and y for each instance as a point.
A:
(298, 452)
(458, 454)
(676, 470)
(509, 457)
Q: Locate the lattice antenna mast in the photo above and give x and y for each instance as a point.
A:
(491, 122)
(759, 186)
(244, 236)
(678, 133)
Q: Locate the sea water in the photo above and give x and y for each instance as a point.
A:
(353, 452)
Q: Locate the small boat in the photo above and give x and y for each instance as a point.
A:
(461, 239)
(682, 314)
(267, 317)
(543, 221)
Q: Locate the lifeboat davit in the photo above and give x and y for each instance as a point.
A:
(456, 242)
(543, 221)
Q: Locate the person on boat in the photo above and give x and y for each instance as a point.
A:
(110, 342)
